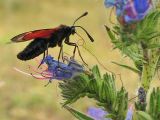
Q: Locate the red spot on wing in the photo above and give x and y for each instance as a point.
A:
(43, 33)
(39, 34)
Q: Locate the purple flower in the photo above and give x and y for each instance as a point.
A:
(60, 71)
(55, 70)
(97, 113)
(119, 4)
(129, 113)
(100, 114)
(136, 10)
(130, 10)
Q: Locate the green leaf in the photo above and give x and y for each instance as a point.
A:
(152, 46)
(154, 104)
(73, 89)
(140, 115)
(77, 114)
(96, 72)
(101, 89)
(127, 67)
(148, 28)
(126, 43)
(111, 35)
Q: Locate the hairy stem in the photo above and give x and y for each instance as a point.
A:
(151, 58)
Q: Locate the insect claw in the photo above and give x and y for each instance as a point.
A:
(72, 57)
(50, 81)
(39, 65)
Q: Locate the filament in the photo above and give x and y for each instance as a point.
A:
(97, 60)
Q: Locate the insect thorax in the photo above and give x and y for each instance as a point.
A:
(60, 35)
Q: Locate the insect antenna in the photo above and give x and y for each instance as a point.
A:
(133, 98)
(84, 14)
(89, 36)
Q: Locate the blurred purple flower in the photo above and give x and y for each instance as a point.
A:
(97, 113)
(119, 4)
(130, 10)
(110, 3)
(129, 113)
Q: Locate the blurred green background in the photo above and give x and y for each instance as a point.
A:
(23, 97)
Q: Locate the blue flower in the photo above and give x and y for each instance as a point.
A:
(130, 10)
(55, 70)
(59, 70)
(97, 113)
(136, 10)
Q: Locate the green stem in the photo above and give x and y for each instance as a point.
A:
(151, 58)
(149, 68)
(145, 79)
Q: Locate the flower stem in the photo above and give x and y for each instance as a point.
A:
(151, 58)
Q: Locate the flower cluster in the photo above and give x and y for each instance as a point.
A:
(129, 11)
(59, 70)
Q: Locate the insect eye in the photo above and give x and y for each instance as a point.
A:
(73, 31)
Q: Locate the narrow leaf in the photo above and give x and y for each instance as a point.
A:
(77, 114)
(127, 67)
(111, 35)
(96, 72)
(143, 115)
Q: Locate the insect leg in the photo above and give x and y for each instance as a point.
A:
(74, 50)
(76, 46)
(81, 56)
(47, 49)
(61, 48)
(71, 44)
(44, 55)
(50, 81)
(63, 59)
